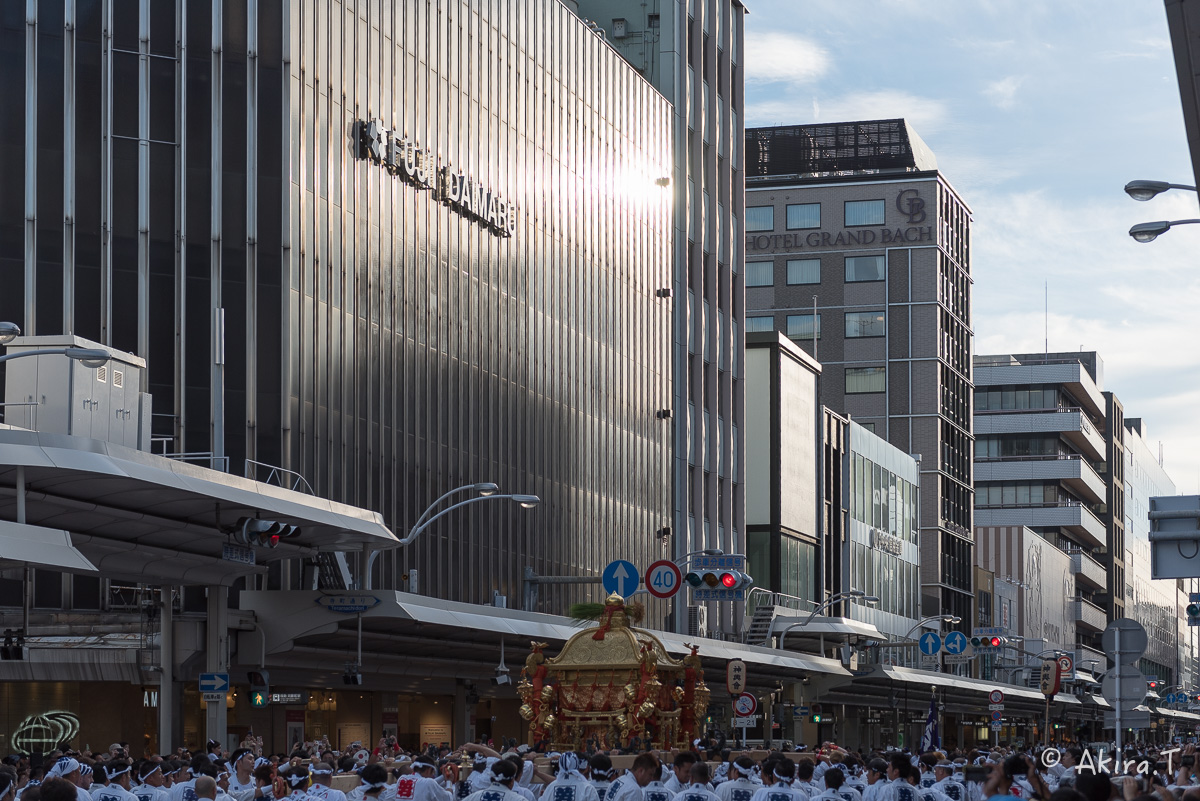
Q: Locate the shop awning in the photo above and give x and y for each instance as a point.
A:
(41, 547)
(973, 685)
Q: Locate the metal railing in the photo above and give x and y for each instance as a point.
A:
(199, 457)
(279, 476)
(773, 598)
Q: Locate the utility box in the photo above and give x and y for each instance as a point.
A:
(59, 395)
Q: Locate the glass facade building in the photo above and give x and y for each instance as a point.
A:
(403, 246)
(693, 52)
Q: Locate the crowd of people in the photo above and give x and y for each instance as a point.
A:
(477, 772)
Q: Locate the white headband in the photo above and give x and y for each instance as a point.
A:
(143, 776)
(112, 775)
(63, 767)
(296, 781)
(375, 786)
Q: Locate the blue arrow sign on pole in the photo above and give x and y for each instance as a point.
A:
(214, 682)
(956, 642)
(930, 644)
(621, 577)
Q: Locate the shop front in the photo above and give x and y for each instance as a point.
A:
(38, 717)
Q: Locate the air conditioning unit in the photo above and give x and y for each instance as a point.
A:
(697, 620)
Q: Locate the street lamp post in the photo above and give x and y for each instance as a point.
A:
(1147, 190)
(841, 596)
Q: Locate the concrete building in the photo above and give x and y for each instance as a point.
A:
(692, 52)
(854, 223)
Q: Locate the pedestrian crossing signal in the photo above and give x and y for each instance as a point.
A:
(1193, 614)
(258, 700)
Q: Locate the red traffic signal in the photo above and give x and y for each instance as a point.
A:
(994, 642)
(729, 580)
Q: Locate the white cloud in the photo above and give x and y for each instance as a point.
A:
(925, 114)
(775, 56)
(1003, 93)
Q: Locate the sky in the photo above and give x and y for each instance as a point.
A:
(1039, 114)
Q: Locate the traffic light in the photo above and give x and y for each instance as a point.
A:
(260, 688)
(1153, 684)
(1193, 614)
(735, 580)
(263, 533)
(988, 642)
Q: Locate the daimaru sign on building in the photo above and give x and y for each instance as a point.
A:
(407, 160)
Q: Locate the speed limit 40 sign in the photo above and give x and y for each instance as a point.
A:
(663, 579)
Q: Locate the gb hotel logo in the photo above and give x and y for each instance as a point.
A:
(407, 160)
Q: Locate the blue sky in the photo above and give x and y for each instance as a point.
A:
(1038, 113)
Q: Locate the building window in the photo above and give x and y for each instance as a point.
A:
(760, 324)
(864, 380)
(868, 427)
(760, 218)
(800, 326)
(760, 273)
(864, 212)
(803, 215)
(865, 324)
(865, 268)
(804, 271)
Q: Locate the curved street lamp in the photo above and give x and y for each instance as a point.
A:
(88, 357)
(951, 619)
(525, 502)
(1146, 190)
(1149, 231)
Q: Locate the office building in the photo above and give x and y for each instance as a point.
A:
(392, 248)
(693, 54)
(855, 220)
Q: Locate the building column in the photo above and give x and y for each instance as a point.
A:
(166, 659)
(461, 723)
(218, 657)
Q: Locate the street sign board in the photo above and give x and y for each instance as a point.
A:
(663, 578)
(1125, 683)
(348, 604)
(929, 662)
(997, 714)
(236, 553)
(745, 705)
(735, 677)
(995, 707)
(212, 698)
(931, 643)
(1133, 640)
(1194, 597)
(800, 712)
(1129, 720)
(1066, 667)
(989, 631)
(997, 725)
(1174, 520)
(958, 659)
(956, 643)
(214, 683)
(620, 577)
(748, 722)
(996, 697)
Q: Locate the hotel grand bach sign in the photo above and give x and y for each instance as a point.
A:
(912, 213)
(405, 159)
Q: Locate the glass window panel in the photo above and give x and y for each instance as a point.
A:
(1008, 495)
(800, 326)
(1023, 494)
(760, 218)
(760, 273)
(803, 215)
(861, 380)
(760, 324)
(1022, 398)
(1008, 399)
(1036, 494)
(804, 271)
(865, 268)
(864, 212)
(865, 324)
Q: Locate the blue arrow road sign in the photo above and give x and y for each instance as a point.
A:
(214, 682)
(956, 642)
(621, 577)
(930, 644)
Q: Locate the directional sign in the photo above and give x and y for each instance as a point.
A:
(745, 705)
(621, 577)
(348, 604)
(996, 697)
(663, 579)
(931, 643)
(956, 643)
(214, 682)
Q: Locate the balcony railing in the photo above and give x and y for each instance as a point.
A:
(1088, 568)
(1088, 614)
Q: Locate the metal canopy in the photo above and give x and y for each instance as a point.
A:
(145, 518)
(407, 638)
(1011, 692)
(41, 547)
